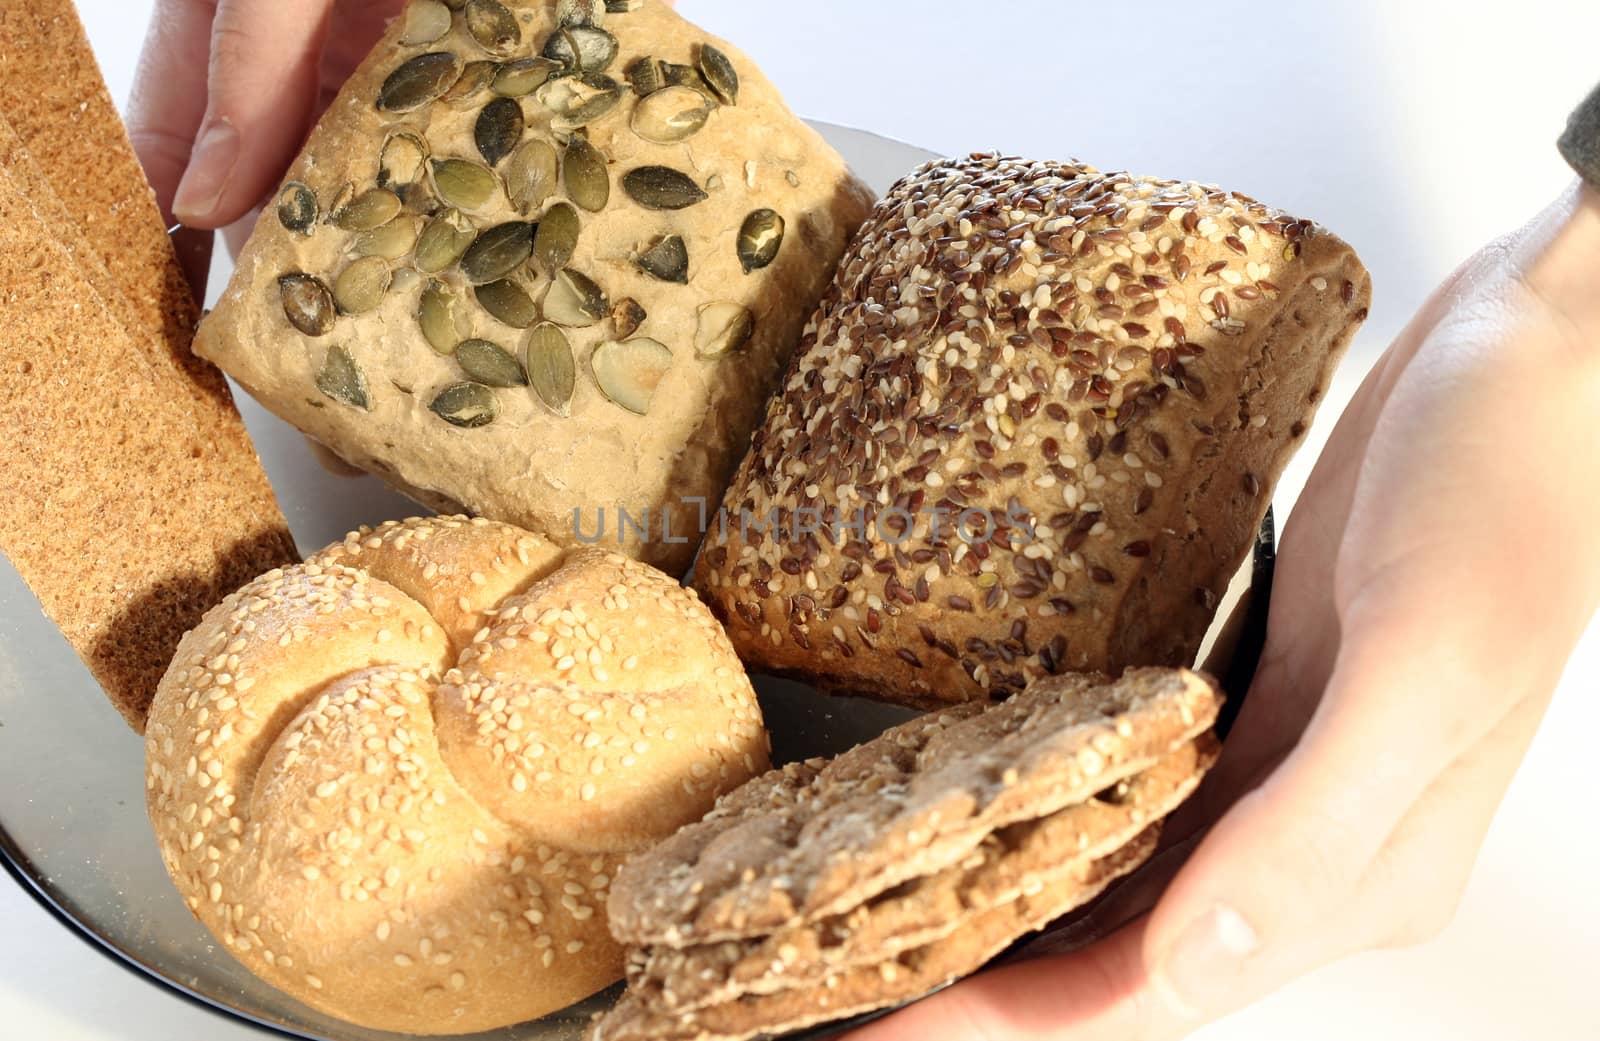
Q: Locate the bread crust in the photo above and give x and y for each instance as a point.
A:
(1112, 369)
(531, 466)
(397, 780)
(166, 508)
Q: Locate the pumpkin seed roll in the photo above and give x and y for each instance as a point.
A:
(544, 261)
(1032, 428)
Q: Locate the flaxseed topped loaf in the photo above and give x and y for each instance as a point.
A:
(541, 260)
(1031, 429)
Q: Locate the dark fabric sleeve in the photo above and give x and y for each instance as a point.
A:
(1580, 143)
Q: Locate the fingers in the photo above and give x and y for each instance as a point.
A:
(1101, 993)
(261, 88)
(169, 98)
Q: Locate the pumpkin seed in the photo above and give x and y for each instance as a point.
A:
(493, 26)
(419, 81)
(582, 48)
(661, 188)
(629, 371)
(373, 208)
(667, 260)
(574, 300)
(626, 317)
(391, 241)
(670, 115)
(404, 280)
(760, 238)
(474, 80)
(426, 22)
(584, 174)
(644, 76)
(577, 101)
(792, 177)
(498, 252)
(508, 303)
(724, 327)
(464, 184)
(466, 405)
(297, 208)
(490, 364)
(341, 379)
(307, 303)
(675, 75)
(361, 286)
(557, 237)
(517, 79)
(402, 160)
(341, 199)
(551, 371)
(440, 315)
(443, 241)
(623, 6)
(531, 175)
(580, 12)
(498, 129)
(719, 75)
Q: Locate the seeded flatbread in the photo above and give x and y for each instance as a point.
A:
(913, 801)
(545, 274)
(905, 976)
(1011, 862)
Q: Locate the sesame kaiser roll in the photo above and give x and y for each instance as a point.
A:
(1039, 415)
(396, 781)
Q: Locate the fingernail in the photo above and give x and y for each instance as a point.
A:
(1202, 967)
(211, 164)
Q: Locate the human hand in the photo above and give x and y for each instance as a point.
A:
(225, 93)
(1432, 582)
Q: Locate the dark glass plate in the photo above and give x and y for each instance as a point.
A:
(73, 830)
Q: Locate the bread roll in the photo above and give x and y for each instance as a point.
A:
(689, 233)
(397, 780)
(1094, 378)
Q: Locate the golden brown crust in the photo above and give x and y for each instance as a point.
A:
(1111, 370)
(124, 520)
(427, 854)
(531, 466)
(123, 590)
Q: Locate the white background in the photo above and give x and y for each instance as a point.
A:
(1417, 130)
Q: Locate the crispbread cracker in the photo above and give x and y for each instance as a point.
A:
(1010, 863)
(915, 800)
(906, 976)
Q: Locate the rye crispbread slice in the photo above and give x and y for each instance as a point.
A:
(1012, 862)
(903, 977)
(911, 802)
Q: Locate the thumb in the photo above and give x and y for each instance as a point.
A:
(261, 89)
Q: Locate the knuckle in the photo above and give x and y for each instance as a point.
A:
(161, 148)
(232, 46)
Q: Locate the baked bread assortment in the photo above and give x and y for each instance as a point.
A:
(131, 498)
(544, 260)
(826, 889)
(1032, 428)
(396, 781)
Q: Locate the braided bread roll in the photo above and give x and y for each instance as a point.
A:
(397, 780)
